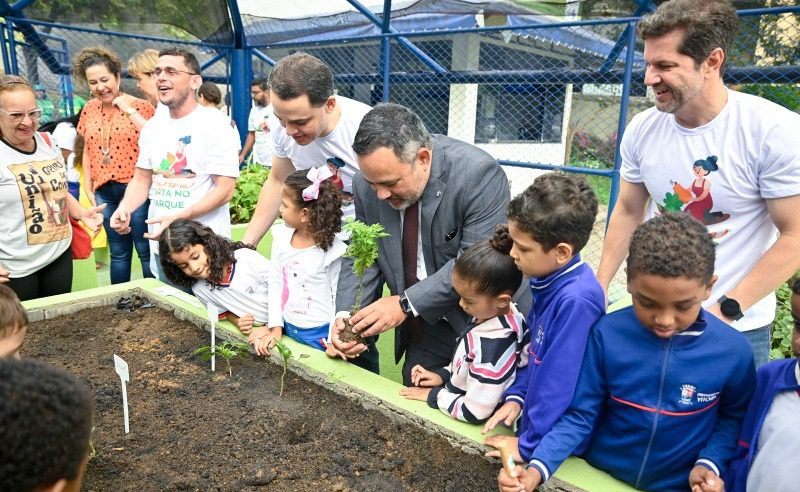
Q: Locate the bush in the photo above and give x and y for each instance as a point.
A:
(783, 325)
(245, 196)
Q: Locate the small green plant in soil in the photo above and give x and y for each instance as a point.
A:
(227, 350)
(245, 195)
(363, 248)
(286, 354)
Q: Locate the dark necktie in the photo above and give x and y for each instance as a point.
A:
(410, 248)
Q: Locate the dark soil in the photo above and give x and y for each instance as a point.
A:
(195, 430)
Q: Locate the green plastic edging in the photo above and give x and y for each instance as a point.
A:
(344, 378)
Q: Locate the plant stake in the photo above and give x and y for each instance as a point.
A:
(213, 314)
(122, 370)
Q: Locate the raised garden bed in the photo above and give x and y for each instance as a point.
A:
(196, 430)
(192, 429)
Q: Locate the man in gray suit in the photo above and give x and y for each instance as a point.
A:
(460, 194)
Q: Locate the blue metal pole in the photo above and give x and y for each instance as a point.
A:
(241, 75)
(623, 119)
(12, 48)
(386, 49)
(4, 48)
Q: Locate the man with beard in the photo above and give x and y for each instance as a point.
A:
(698, 126)
(187, 160)
(315, 126)
(435, 196)
(260, 124)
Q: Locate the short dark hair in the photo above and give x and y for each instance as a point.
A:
(393, 126)
(210, 93)
(46, 416)
(794, 284)
(674, 244)
(556, 208)
(189, 59)
(708, 24)
(301, 73)
(12, 315)
(261, 82)
(488, 266)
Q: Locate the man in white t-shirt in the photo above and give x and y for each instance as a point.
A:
(315, 127)
(724, 157)
(260, 124)
(187, 160)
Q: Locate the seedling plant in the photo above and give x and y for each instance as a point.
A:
(286, 354)
(228, 351)
(363, 248)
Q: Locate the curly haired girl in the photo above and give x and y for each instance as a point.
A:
(490, 349)
(306, 259)
(230, 275)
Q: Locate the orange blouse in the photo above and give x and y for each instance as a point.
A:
(114, 131)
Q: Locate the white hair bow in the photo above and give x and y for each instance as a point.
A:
(316, 175)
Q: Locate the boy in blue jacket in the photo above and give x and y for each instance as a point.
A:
(664, 385)
(549, 223)
(771, 430)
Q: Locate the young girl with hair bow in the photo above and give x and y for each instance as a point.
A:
(305, 262)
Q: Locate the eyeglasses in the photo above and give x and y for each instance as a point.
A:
(170, 72)
(33, 114)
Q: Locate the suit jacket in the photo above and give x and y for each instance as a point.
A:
(465, 198)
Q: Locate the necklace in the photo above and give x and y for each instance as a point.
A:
(106, 150)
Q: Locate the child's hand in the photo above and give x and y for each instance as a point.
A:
(507, 414)
(263, 339)
(423, 377)
(510, 442)
(413, 393)
(522, 480)
(701, 479)
(245, 323)
(334, 353)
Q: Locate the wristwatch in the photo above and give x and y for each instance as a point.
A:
(405, 305)
(131, 111)
(730, 308)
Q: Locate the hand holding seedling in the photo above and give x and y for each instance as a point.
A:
(244, 323)
(520, 480)
(265, 338)
(380, 316)
(506, 414)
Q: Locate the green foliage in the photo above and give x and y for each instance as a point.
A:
(783, 325)
(286, 354)
(226, 350)
(600, 184)
(363, 248)
(245, 196)
(672, 203)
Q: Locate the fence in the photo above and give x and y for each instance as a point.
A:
(535, 94)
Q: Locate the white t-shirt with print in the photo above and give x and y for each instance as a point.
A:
(262, 121)
(302, 282)
(184, 155)
(750, 142)
(338, 143)
(247, 291)
(64, 137)
(33, 199)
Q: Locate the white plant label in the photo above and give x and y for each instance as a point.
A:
(124, 376)
(213, 314)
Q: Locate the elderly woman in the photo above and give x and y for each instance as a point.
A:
(35, 233)
(110, 125)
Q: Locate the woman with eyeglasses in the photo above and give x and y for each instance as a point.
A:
(110, 125)
(35, 231)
